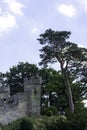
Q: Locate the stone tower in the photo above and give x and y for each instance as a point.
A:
(4, 91)
(32, 91)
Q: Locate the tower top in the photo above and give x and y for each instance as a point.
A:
(33, 80)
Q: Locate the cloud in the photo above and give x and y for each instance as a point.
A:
(34, 30)
(0, 10)
(14, 6)
(67, 10)
(7, 21)
(8, 15)
(83, 4)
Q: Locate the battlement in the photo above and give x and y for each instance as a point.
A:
(33, 80)
(20, 104)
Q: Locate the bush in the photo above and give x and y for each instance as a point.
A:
(25, 125)
(78, 120)
(21, 124)
(50, 111)
(59, 124)
(73, 121)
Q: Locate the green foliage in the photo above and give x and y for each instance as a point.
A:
(72, 121)
(16, 75)
(59, 124)
(25, 125)
(78, 120)
(0, 126)
(72, 59)
(53, 90)
(52, 85)
(50, 111)
(21, 124)
(57, 48)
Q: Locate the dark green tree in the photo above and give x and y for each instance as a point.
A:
(17, 73)
(57, 48)
(52, 94)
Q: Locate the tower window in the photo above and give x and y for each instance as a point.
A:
(35, 91)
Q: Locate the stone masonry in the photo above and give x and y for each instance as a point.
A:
(20, 104)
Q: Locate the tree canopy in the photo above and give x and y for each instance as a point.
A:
(72, 59)
(62, 89)
(17, 73)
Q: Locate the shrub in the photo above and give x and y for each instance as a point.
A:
(78, 120)
(59, 124)
(50, 111)
(21, 124)
(73, 121)
(25, 125)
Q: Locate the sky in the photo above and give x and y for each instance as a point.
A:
(22, 21)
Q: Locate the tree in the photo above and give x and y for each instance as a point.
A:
(57, 48)
(52, 94)
(17, 73)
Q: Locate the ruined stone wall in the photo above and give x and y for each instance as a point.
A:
(13, 108)
(21, 104)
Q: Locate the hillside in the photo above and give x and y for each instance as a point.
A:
(77, 121)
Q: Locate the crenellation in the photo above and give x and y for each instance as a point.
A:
(20, 104)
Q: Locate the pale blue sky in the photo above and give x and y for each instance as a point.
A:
(22, 21)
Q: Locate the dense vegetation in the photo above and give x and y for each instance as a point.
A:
(62, 91)
(71, 58)
(74, 121)
(53, 92)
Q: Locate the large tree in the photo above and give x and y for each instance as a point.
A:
(17, 73)
(52, 94)
(57, 48)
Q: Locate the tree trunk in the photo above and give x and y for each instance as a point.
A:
(69, 92)
(68, 89)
